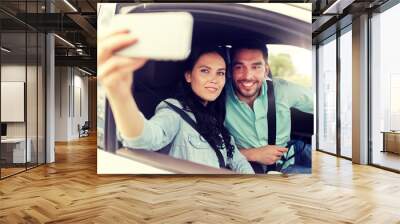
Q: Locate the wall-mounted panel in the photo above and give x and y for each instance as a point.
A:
(12, 101)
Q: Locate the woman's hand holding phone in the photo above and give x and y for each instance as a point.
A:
(115, 72)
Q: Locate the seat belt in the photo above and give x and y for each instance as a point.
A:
(192, 123)
(271, 113)
(271, 118)
(271, 122)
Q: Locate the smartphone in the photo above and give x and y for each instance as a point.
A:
(161, 35)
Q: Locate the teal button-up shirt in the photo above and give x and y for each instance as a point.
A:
(249, 126)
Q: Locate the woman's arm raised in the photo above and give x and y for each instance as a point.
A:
(115, 75)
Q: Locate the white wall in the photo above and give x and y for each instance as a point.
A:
(61, 103)
(71, 94)
(80, 100)
(13, 72)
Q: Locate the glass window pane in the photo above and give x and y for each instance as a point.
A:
(327, 96)
(15, 150)
(385, 89)
(41, 98)
(22, 63)
(31, 97)
(346, 94)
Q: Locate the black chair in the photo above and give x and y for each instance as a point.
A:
(84, 130)
(302, 125)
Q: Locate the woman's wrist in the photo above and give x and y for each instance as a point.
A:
(119, 95)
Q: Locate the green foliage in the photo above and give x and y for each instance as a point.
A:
(282, 67)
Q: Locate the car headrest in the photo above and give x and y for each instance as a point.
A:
(155, 82)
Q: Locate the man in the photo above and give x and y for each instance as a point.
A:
(247, 108)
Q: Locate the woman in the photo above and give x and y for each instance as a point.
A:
(202, 98)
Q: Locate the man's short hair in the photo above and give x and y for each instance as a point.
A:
(252, 45)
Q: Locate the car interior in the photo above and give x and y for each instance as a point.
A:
(222, 25)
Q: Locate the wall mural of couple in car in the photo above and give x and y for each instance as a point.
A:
(222, 106)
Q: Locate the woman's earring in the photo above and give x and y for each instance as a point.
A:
(188, 77)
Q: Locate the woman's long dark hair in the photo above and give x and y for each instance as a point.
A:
(210, 118)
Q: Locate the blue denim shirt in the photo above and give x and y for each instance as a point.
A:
(166, 127)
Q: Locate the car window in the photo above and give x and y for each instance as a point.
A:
(291, 63)
(300, 11)
(101, 102)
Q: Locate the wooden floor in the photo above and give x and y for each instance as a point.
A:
(70, 191)
(10, 171)
(387, 159)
